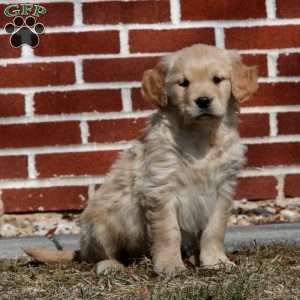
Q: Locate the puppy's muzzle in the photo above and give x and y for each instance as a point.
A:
(203, 102)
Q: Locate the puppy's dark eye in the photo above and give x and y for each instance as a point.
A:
(184, 83)
(217, 79)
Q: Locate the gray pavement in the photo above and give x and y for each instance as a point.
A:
(236, 237)
(248, 236)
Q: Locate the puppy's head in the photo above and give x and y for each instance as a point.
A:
(199, 82)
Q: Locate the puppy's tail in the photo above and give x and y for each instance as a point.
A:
(53, 256)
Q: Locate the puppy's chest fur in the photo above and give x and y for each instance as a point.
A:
(204, 181)
(192, 175)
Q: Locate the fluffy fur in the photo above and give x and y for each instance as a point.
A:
(169, 196)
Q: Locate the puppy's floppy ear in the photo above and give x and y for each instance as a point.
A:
(243, 80)
(153, 86)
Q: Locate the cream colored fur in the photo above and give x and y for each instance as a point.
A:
(170, 195)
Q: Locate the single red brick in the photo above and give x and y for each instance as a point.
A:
(80, 163)
(6, 50)
(254, 125)
(292, 186)
(168, 40)
(264, 37)
(13, 167)
(39, 134)
(73, 43)
(280, 93)
(138, 102)
(11, 105)
(77, 101)
(44, 199)
(256, 188)
(288, 123)
(289, 64)
(114, 12)
(58, 14)
(37, 74)
(109, 131)
(288, 9)
(273, 154)
(258, 60)
(222, 10)
(117, 69)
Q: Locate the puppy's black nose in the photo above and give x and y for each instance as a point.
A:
(203, 102)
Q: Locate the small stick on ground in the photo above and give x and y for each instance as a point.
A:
(50, 235)
(55, 241)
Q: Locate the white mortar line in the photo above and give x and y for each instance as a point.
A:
(272, 139)
(275, 51)
(125, 114)
(29, 105)
(279, 79)
(66, 149)
(200, 24)
(84, 130)
(124, 45)
(272, 64)
(280, 199)
(77, 13)
(27, 52)
(271, 9)
(112, 85)
(270, 171)
(88, 180)
(271, 109)
(78, 71)
(124, 145)
(175, 11)
(220, 37)
(72, 87)
(126, 100)
(72, 58)
(180, 25)
(75, 117)
(50, 182)
(32, 172)
(273, 124)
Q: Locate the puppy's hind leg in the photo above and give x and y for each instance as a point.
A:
(99, 244)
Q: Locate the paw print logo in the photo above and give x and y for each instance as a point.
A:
(24, 31)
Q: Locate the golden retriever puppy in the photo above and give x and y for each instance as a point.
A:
(169, 196)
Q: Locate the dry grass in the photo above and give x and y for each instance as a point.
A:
(261, 273)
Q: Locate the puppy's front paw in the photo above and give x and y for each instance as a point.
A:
(217, 262)
(169, 267)
(108, 266)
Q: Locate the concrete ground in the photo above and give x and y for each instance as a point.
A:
(236, 237)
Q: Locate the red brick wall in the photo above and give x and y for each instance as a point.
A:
(69, 106)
